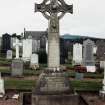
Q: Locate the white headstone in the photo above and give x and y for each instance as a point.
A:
(27, 49)
(94, 50)
(47, 47)
(17, 45)
(77, 53)
(9, 54)
(102, 64)
(91, 69)
(34, 59)
(2, 90)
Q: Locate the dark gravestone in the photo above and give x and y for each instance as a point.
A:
(6, 43)
(88, 57)
(100, 53)
(17, 67)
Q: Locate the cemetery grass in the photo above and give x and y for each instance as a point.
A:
(78, 85)
(69, 73)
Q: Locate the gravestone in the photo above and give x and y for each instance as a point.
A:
(91, 69)
(52, 87)
(17, 45)
(2, 90)
(34, 63)
(88, 57)
(35, 45)
(102, 64)
(27, 49)
(17, 67)
(9, 54)
(77, 54)
(6, 43)
(95, 50)
(100, 53)
(47, 47)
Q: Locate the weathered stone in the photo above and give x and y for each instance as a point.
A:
(55, 100)
(9, 54)
(17, 67)
(27, 49)
(100, 53)
(77, 54)
(53, 8)
(88, 58)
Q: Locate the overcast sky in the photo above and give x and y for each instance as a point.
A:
(88, 18)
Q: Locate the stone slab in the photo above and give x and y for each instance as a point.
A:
(55, 99)
(53, 83)
(17, 67)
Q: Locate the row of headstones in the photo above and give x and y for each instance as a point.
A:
(27, 51)
(17, 62)
(84, 55)
(89, 48)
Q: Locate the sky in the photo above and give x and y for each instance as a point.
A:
(88, 18)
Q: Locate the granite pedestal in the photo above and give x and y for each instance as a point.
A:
(53, 88)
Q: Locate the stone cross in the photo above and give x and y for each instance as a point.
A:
(53, 11)
(17, 45)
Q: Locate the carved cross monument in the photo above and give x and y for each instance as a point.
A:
(17, 44)
(53, 11)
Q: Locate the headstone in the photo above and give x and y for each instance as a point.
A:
(27, 49)
(35, 45)
(95, 50)
(6, 43)
(102, 92)
(52, 84)
(91, 69)
(9, 54)
(34, 61)
(17, 45)
(88, 57)
(2, 90)
(46, 47)
(102, 64)
(17, 67)
(100, 53)
(77, 53)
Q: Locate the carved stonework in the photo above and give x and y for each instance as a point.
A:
(55, 6)
(53, 10)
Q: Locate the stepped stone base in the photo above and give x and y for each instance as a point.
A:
(55, 100)
(53, 88)
(51, 83)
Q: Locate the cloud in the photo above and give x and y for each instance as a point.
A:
(88, 17)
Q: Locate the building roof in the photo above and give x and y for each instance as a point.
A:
(35, 34)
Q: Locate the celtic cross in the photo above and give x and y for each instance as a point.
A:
(53, 11)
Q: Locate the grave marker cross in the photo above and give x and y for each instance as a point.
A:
(53, 11)
(17, 44)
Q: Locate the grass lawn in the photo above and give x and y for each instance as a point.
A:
(19, 84)
(76, 84)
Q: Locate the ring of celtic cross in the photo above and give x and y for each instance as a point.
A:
(49, 7)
